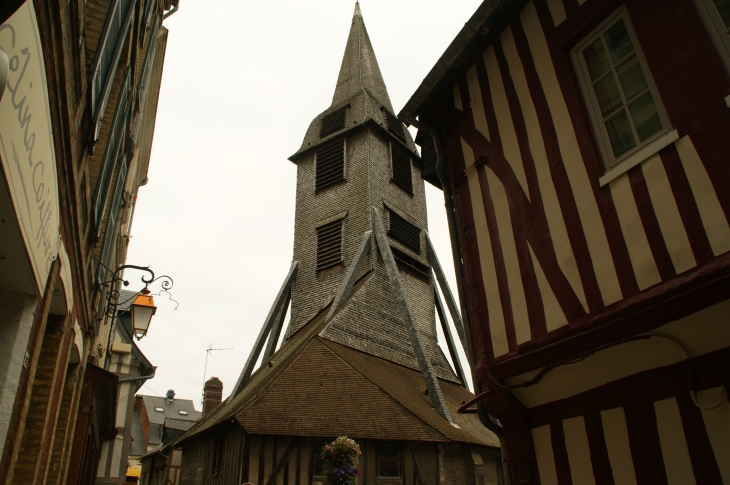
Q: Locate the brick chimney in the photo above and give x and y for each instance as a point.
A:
(212, 395)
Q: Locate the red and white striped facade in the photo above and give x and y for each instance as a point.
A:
(570, 267)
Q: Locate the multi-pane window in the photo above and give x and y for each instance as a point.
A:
(623, 102)
(329, 244)
(330, 163)
(389, 459)
(218, 450)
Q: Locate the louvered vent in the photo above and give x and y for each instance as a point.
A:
(411, 265)
(329, 245)
(394, 124)
(401, 159)
(405, 232)
(333, 122)
(330, 163)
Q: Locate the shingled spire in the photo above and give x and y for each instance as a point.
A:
(359, 71)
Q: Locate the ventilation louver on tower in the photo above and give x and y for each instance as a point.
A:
(329, 244)
(405, 232)
(394, 124)
(401, 161)
(330, 163)
(333, 122)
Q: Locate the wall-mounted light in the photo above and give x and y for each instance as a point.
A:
(142, 310)
(143, 306)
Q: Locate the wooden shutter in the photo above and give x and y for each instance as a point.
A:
(333, 122)
(330, 163)
(401, 163)
(405, 232)
(329, 244)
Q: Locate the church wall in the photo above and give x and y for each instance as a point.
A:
(312, 291)
(368, 183)
(253, 459)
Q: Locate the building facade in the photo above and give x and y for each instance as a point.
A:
(360, 356)
(583, 145)
(80, 86)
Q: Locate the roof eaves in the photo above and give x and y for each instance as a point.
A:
(473, 27)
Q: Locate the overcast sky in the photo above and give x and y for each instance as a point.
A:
(242, 80)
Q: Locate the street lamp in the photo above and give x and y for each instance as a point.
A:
(142, 310)
(143, 306)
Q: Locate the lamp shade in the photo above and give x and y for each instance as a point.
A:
(142, 310)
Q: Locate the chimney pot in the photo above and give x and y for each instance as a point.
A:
(212, 395)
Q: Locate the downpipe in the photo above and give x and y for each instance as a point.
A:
(486, 419)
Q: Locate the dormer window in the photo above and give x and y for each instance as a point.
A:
(330, 163)
(182, 413)
(333, 122)
(159, 410)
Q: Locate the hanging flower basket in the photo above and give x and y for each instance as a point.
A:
(340, 461)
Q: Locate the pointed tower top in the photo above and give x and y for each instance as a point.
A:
(359, 71)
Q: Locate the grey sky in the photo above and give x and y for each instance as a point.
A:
(242, 81)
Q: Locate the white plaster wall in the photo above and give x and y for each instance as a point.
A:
(16, 319)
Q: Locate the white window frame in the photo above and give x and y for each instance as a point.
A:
(615, 166)
(716, 28)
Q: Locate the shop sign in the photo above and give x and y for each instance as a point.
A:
(26, 141)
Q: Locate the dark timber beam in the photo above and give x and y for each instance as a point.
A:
(432, 384)
(449, 338)
(276, 308)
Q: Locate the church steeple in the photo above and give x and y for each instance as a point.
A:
(357, 180)
(360, 71)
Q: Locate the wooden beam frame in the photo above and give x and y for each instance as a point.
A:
(432, 384)
(276, 309)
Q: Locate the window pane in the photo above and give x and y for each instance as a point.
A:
(646, 119)
(619, 43)
(596, 59)
(723, 6)
(631, 77)
(389, 468)
(609, 98)
(619, 132)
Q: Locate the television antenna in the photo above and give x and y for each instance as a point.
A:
(207, 354)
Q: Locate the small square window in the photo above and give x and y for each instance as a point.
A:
(317, 461)
(389, 459)
(159, 410)
(622, 100)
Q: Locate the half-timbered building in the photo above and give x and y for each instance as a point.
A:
(583, 146)
(360, 356)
